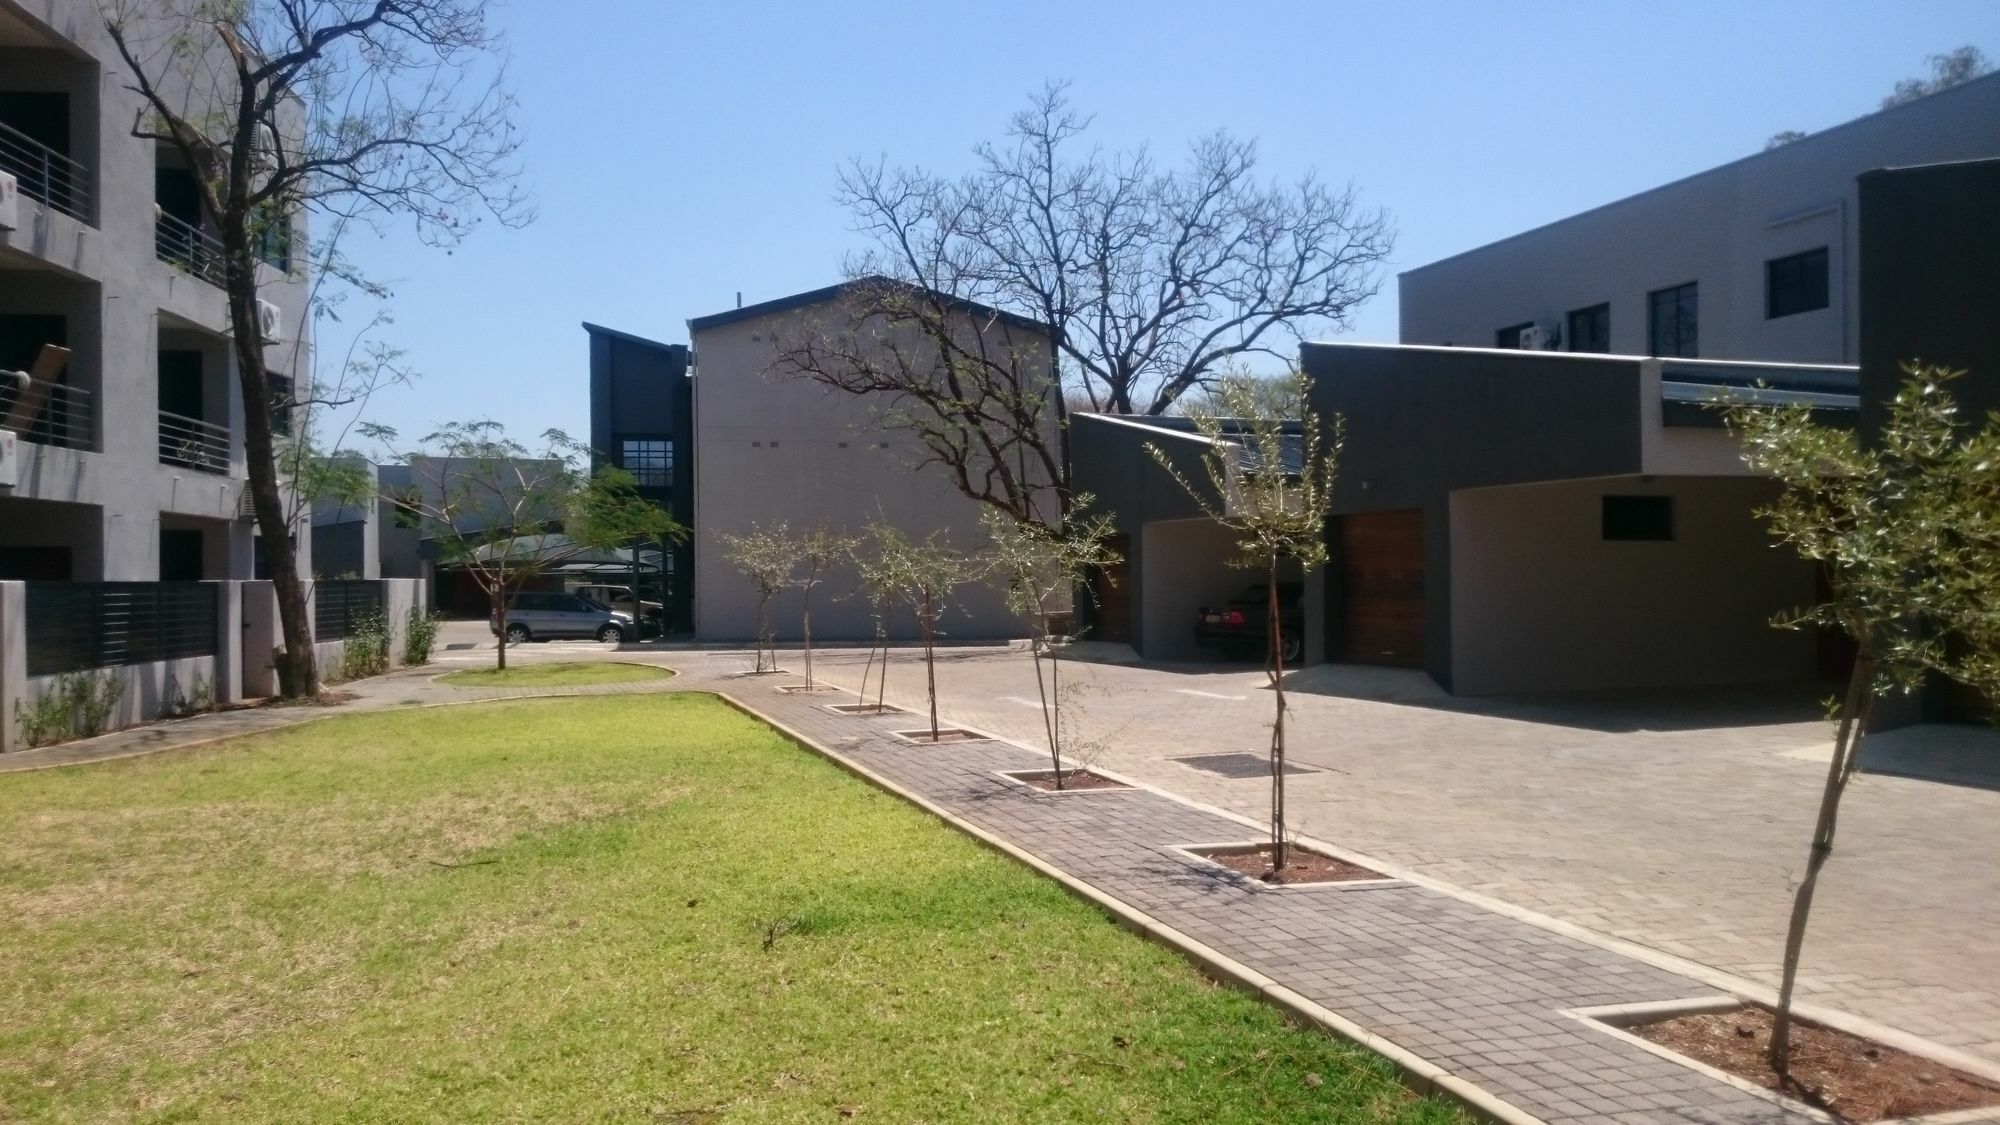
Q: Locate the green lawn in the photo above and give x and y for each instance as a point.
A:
(620, 909)
(567, 674)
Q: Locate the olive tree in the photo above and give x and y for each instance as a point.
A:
(1038, 572)
(1272, 485)
(768, 556)
(368, 109)
(1907, 529)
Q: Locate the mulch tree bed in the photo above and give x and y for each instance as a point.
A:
(801, 689)
(945, 735)
(1852, 1078)
(1072, 780)
(868, 709)
(1302, 865)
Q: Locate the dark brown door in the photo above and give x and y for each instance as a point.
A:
(1111, 595)
(1382, 588)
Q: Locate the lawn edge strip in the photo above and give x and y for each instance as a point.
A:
(1418, 1074)
(442, 677)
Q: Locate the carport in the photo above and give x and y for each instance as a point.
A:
(1175, 558)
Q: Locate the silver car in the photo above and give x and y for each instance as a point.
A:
(538, 616)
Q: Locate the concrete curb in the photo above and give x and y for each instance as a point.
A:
(1419, 1074)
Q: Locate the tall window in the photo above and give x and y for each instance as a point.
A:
(1672, 323)
(1590, 329)
(282, 406)
(649, 460)
(1795, 284)
(1510, 336)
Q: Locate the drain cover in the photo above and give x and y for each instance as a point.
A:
(1236, 765)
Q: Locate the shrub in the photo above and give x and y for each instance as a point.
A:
(420, 635)
(366, 652)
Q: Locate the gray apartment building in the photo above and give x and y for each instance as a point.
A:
(129, 456)
(1758, 259)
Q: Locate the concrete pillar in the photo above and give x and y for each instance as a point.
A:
(13, 658)
(229, 637)
(257, 675)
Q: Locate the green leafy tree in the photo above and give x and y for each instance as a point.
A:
(768, 556)
(369, 109)
(1278, 516)
(819, 550)
(922, 574)
(880, 555)
(1907, 529)
(1038, 572)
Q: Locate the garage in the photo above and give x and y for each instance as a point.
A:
(1382, 588)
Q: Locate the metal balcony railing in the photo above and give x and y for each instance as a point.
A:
(45, 174)
(180, 243)
(47, 413)
(193, 443)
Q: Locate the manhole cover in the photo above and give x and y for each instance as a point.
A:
(1236, 765)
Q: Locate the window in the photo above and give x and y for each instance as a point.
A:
(649, 460)
(271, 229)
(405, 511)
(1672, 324)
(1590, 329)
(1510, 337)
(280, 389)
(1638, 518)
(1795, 284)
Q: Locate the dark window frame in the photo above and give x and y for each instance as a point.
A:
(1600, 311)
(1686, 321)
(1637, 519)
(1792, 283)
(650, 468)
(1512, 332)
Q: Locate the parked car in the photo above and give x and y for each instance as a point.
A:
(1240, 627)
(540, 616)
(620, 599)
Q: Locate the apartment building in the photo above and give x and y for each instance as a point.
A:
(128, 459)
(642, 420)
(1758, 259)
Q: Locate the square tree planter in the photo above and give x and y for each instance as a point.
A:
(946, 736)
(1837, 1076)
(865, 709)
(1075, 781)
(801, 689)
(1249, 862)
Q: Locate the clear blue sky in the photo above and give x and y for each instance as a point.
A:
(681, 152)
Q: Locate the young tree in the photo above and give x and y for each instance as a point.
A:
(768, 556)
(819, 550)
(363, 108)
(1278, 514)
(929, 571)
(1907, 528)
(506, 513)
(880, 555)
(1038, 572)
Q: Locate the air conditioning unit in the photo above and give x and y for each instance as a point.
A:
(269, 320)
(1536, 338)
(10, 202)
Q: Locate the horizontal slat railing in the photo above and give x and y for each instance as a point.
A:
(48, 414)
(45, 174)
(74, 626)
(180, 243)
(193, 443)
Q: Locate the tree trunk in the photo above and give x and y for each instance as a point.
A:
(499, 600)
(1278, 844)
(882, 637)
(764, 632)
(1035, 646)
(1846, 745)
(806, 631)
(261, 464)
(930, 665)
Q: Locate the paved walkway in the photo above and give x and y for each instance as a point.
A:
(1482, 994)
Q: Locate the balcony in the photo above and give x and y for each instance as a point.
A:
(193, 444)
(180, 243)
(45, 174)
(47, 413)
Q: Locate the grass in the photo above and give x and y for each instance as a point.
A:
(642, 908)
(566, 674)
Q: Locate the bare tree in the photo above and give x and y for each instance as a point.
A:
(923, 574)
(880, 555)
(361, 108)
(1908, 531)
(1038, 572)
(506, 513)
(1272, 485)
(768, 556)
(1146, 277)
(1953, 68)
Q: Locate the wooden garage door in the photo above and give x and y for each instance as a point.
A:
(1382, 588)
(1111, 595)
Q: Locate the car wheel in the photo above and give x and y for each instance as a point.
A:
(611, 634)
(1291, 649)
(517, 635)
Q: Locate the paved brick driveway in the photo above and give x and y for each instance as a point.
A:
(1674, 823)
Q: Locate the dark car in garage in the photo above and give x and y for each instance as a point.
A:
(1240, 627)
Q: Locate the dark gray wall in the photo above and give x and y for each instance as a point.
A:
(1422, 422)
(1930, 270)
(640, 388)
